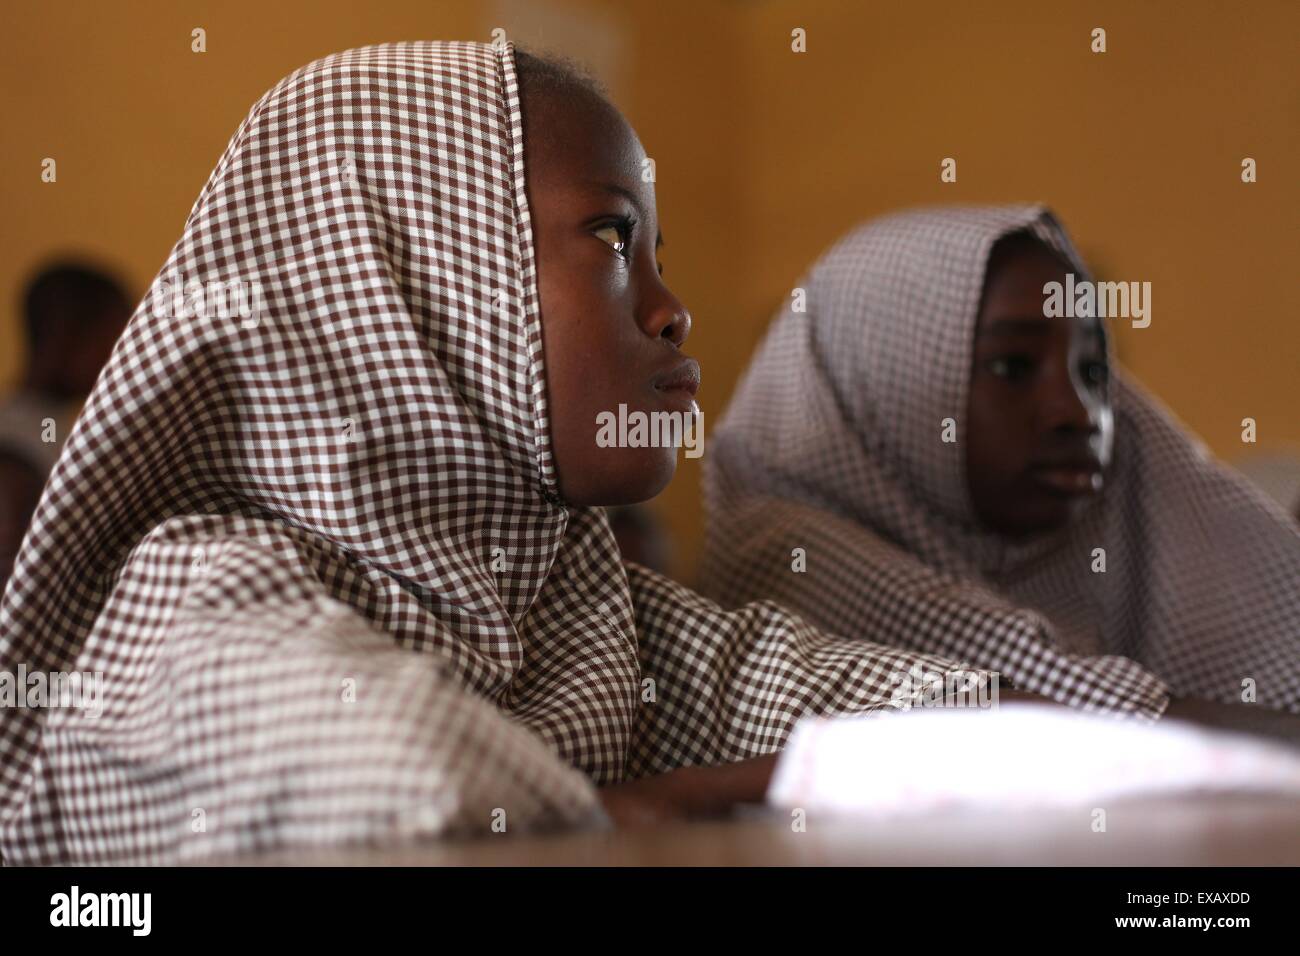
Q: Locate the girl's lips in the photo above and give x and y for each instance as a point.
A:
(684, 377)
(1070, 481)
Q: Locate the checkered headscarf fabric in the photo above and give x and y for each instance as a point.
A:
(832, 443)
(318, 553)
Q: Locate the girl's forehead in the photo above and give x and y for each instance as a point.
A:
(1017, 284)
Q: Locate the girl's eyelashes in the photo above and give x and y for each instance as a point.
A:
(617, 234)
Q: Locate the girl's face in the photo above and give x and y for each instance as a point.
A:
(612, 331)
(1040, 422)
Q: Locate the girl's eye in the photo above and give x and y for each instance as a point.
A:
(616, 235)
(1096, 373)
(1013, 368)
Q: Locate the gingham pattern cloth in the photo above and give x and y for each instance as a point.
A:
(832, 444)
(318, 552)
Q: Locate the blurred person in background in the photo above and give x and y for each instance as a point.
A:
(967, 475)
(73, 312)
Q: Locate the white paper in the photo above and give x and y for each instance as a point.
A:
(1014, 756)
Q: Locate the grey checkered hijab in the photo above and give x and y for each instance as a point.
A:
(832, 444)
(318, 552)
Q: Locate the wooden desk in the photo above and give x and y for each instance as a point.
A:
(1219, 831)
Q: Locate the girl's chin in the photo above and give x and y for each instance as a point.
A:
(652, 476)
(1034, 516)
(634, 476)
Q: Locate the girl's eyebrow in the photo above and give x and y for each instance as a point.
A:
(631, 197)
(623, 191)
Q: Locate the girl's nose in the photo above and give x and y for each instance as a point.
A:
(668, 319)
(1066, 406)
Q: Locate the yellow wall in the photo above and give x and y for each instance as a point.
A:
(763, 155)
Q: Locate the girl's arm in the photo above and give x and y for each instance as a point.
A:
(725, 687)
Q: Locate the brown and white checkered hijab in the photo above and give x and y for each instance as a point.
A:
(318, 553)
(832, 444)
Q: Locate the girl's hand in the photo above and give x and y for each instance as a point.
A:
(688, 792)
(1242, 718)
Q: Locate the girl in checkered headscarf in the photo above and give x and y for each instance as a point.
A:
(964, 477)
(325, 526)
